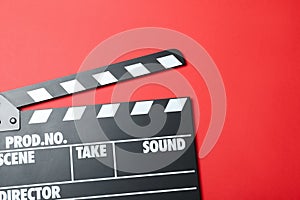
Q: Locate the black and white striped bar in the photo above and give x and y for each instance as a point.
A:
(132, 150)
(95, 78)
(106, 110)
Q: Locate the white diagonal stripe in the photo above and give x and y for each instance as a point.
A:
(108, 110)
(137, 69)
(175, 105)
(169, 61)
(74, 113)
(141, 108)
(105, 78)
(72, 86)
(40, 116)
(40, 94)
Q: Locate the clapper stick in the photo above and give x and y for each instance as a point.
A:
(20, 97)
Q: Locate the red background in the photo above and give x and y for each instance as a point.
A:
(253, 42)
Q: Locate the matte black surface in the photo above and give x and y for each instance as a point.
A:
(163, 175)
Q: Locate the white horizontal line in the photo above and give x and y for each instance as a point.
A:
(103, 179)
(153, 138)
(93, 143)
(136, 193)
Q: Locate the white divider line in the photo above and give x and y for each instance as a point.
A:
(71, 164)
(136, 193)
(102, 179)
(94, 143)
(158, 174)
(114, 159)
(153, 138)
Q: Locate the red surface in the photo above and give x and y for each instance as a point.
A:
(254, 43)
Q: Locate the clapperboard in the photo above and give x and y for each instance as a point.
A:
(131, 150)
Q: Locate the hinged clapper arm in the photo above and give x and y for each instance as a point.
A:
(12, 100)
(9, 115)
